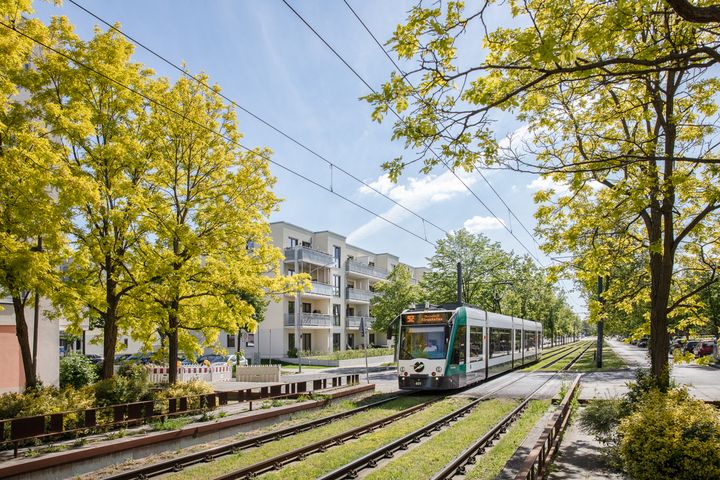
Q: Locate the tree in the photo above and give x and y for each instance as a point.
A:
(208, 248)
(100, 123)
(619, 104)
(35, 187)
(485, 270)
(394, 294)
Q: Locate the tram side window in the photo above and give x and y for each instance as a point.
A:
(476, 344)
(458, 354)
(500, 342)
(529, 340)
(518, 340)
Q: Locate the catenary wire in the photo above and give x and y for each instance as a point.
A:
(400, 70)
(215, 132)
(439, 158)
(256, 116)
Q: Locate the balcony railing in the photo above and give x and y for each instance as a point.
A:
(353, 266)
(308, 255)
(324, 289)
(310, 320)
(354, 322)
(360, 295)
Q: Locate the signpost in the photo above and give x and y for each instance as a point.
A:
(363, 335)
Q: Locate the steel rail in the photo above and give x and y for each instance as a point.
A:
(279, 461)
(566, 354)
(567, 367)
(178, 463)
(467, 456)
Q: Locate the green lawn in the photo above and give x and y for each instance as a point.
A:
(248, 457)
(348, 354)
(557, 352)
(611, 360)
(490, 464)
(431, 456)
(318, 465)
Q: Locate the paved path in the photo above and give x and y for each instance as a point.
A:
(580, 457)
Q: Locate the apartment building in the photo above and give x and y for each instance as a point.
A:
(343, 277)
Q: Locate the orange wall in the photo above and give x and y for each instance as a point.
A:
(11, 372)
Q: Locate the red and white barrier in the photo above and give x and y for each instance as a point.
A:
(218, 372)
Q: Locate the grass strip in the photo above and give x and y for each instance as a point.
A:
(294, 419)
(429, 457)
(489, 465)
(611, 361)
(555, 354)
(248, 457)
(318, 465)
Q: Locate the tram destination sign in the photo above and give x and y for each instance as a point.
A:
(425, 317)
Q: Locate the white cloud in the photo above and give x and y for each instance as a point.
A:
(545, 183)
(417, 194)
(479, 224)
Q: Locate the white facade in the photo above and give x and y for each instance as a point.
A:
(342, 285)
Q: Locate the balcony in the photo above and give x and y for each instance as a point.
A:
(365, 270)
(354, 322)
(317, 320)
(354, 294)
(308, 255)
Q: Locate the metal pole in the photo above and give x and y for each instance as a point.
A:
(459, 283)
(365, 334)
(599, 348)
(298, 320)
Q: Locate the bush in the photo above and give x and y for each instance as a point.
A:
(131, 384)
(671, 435)
(76, 370)
(46, 400)
(184, 389)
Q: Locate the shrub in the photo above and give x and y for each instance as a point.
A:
(132, 384)
(671, 435)
(76, 370)
(46, 400)
(184, 389)
(601, 419)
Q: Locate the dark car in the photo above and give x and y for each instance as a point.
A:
(704, 348)
(690, 346)
(121, 357)
(643, 342)
(94, 358)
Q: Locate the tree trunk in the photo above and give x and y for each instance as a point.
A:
(23, 336)
(659, 296)
(110, 327)
(173, 341)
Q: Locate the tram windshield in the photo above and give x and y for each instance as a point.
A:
(423, 342)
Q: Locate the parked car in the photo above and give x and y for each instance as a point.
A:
(94, 357)
(217, 358)
(706, 347)
(140, 358)
(122, 357)
(690, 346)
(242, 361)
(643, 342)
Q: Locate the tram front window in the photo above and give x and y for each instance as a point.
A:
(423, 342)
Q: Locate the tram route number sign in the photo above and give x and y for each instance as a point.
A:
(426, 317)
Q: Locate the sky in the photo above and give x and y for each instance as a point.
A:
(265, 59)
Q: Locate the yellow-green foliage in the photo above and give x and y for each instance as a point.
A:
(184, 389)
(671, 436)
(46, 400)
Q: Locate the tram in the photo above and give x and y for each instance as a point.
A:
(446, 348)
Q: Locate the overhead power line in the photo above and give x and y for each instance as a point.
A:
(204, 127)
(400, 70)
(333, 166)
(437, 156)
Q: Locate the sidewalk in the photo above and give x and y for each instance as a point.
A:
(580, 457)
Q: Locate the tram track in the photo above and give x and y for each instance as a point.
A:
(458, 465)
(179, 463)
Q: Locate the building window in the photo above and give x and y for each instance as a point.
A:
(250, 340)
(372, 339)
(291, 341)
(371, 264)
(306, 244)
(291, 271)
(338, 254)
(230, 341)
(336, 342)
(336, 285)
(336, 315)
(350, 312)
(306, 307)
(350, 340)
(291, 307)
(293, 242)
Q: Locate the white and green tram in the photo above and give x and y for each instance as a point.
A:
(445, 348)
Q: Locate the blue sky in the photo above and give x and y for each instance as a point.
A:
(265, 59)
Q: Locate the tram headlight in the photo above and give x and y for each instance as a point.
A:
(438, 369)
(402, 369)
